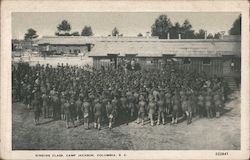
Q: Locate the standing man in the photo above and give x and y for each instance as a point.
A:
(45, 105)
(217, 103)
(208, 104)
(141, 112)
(131, 106)
(68, 114)
(78, 109)
(62, 108)
(110, 110)
(161, 110)
(124, 107)
(176, 104)
(189, 110)
(200, 103)
(97, 114)
(168, 102)
(85, 111)
(152, 110)
(37, 109)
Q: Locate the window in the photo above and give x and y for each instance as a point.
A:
(186, 61)
(206, 61)
(47, 48)
(89, 47)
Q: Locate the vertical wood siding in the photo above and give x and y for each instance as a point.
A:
(214, 68)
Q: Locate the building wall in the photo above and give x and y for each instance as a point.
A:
(22, 45)
(64, 49)
(101, 61)
(216, 66)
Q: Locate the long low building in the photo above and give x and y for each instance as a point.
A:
(213, 56)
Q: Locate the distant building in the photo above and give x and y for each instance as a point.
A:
(213, 56)
(23, 45)
(64, 45)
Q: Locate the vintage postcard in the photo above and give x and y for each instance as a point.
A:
(124, 80)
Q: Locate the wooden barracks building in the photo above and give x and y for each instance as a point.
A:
(213, 56)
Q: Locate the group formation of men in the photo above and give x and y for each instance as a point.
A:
(83, 94)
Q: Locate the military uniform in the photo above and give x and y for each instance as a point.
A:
(131, 105)
(141, 112)
(168, 102)
(68, 114)
(200, 103)
(45, 105)
(37, 110)
(78, 105)
(97, 114)
(161, 110)
(152, 110)
(176, 104)
(111, 113)
(208, 105)
(217, 103)
(85, 111)
(56, 106)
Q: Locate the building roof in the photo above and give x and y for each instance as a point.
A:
(150, 46)
(158, 49)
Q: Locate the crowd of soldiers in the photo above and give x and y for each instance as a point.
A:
(80, 94)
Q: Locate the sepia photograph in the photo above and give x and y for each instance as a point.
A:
(126, 80)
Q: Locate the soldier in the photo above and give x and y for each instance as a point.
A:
(124, 107)
(72, 106)
(68, 113)
(62, 109)
(208, 105)
(141, 112)
(136, 98)
(28, 97)
(114, 103)
(194, 99)
(131, 106)
(111, 113)
(168, 102)
(97, 114)
(217, 103)
(45, 105)
(56, 106)
(176, 104)
(183, 103)
(50, 106)
(200, 103)
(152, 110)
(85, 111)
(155, 94)
(184, 106)
(161, 110)
(189, 110)
(78, 104)
(37, 109)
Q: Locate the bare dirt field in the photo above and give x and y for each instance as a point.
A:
(203, 134)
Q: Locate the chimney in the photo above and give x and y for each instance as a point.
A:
(222, 34)
(168, 35)
(147, 34)
(179, 36)
(205, 35)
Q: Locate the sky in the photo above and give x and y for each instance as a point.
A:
(128, 23)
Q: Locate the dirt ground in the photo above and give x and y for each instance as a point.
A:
(203, 134)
